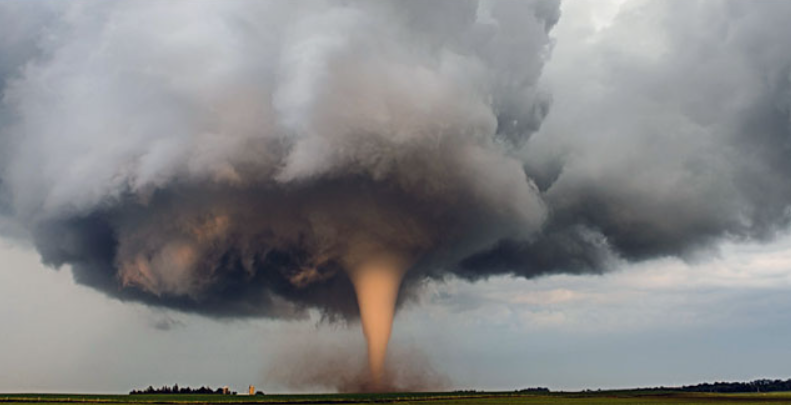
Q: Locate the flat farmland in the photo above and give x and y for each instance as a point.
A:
(495, 398)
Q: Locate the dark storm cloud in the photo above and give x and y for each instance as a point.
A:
(673, 132)
(669, 132)
(236, 159)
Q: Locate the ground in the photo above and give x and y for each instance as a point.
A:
(499, 398)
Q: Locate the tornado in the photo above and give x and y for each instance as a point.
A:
(285, 159)
(376, 284)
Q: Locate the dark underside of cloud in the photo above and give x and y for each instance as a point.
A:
(237, 159)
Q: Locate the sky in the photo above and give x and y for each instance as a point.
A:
(638, 96)
(662, 322)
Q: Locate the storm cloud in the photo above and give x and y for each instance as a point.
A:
(236, 159)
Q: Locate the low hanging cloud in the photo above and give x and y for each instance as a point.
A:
(236, 159)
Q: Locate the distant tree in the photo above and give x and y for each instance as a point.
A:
(175, 389)
(534, 390)
(762, 385)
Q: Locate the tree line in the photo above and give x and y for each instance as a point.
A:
(762, 385)
(175, 389)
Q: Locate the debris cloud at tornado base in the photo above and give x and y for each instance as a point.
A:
(252, 160)
(313, 365)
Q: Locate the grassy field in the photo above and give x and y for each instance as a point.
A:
(597, 398)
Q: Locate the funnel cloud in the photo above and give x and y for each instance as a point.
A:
(376, 284)
(240, 159)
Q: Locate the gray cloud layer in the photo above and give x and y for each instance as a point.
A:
(234, 159)
(677, 136)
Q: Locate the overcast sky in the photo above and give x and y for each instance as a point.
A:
(720, 313)
(661, 322)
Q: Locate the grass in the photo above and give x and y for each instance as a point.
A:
(485, 398)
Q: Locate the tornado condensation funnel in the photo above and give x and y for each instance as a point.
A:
(376, 283)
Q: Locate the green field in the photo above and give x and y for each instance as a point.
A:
(604, 397)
